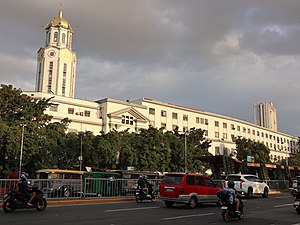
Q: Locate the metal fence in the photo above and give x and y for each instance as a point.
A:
(77, 188)
(100, 187)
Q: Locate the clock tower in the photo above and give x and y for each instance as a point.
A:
(56, 62)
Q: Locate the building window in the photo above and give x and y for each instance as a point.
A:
(70, 110)
(238, 128)
(216, 124)
(253, 132)
(63, 38)
(50, 77)
(151, 111)
(225, 125)
(216, 134)
(163, 113)
(185, 129)
(87, 113)
(206, 121)
(185, 118)
(249, 131)
(174, 127)
(232, 127)
(244, 129)
(206, 133)
(64, 80)
(55, 36)
(197, 120)
(217, 150)
(127, 120)
(163, 125)
(224, 135)
(174, 116)
(53, 108)
(257, 133)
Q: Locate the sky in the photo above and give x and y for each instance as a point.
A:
(216, 56)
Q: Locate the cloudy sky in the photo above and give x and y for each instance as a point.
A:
(216, 56)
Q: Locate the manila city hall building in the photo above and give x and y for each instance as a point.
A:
(55, 79)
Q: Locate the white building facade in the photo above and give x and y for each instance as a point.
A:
(108, 114)
(265, 115)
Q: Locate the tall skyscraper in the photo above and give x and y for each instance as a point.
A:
(56, 62)
(265, 115)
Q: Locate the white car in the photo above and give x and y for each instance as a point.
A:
(248, 184)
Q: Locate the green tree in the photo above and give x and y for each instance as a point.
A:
(246, 147)
(18, 111)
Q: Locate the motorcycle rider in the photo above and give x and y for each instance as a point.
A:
(141, 184)
(149, 186)
(25, 189)
(233, 195)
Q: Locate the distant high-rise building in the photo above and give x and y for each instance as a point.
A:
(56, 63)
(265, 115)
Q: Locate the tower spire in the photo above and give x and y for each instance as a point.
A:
(60, 14)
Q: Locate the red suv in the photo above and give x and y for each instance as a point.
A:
(189, 189)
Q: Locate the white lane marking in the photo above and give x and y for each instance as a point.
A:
(130, 209)
(187, 216)
(284, 205)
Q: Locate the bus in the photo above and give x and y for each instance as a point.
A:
(130, 178)
(74, 183)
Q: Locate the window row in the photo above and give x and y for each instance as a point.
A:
(163, 113)
(257, 133)
(86, 113)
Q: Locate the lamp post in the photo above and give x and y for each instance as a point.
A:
(21, 150)
(80, 157)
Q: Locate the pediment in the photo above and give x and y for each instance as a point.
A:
(130, 110)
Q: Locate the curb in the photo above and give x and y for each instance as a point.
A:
(87, 201)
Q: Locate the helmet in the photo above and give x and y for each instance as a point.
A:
(140, 176)
(230, 184)
(24, 175)
(145, 177)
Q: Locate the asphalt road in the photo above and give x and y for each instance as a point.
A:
(276, 210)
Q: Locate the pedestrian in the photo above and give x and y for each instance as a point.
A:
(13, 176)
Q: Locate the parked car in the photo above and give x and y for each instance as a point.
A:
(248, 184)
(189, 189)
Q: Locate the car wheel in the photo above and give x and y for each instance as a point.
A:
(192, 203)
(249, 193)
(266, 193)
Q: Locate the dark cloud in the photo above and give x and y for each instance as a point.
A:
(217, 56)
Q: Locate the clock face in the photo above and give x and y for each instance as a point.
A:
(51, 53)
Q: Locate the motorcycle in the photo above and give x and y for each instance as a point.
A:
(228, 210)
(296, 194)
(142, 195)
(16, 200)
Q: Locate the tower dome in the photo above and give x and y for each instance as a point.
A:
(59, 21)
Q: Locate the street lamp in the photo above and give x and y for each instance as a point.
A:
(21, 150)
(80, 157)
